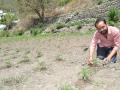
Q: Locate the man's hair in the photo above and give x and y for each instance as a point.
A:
(99, 20)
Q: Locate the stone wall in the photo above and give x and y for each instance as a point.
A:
(97, 11)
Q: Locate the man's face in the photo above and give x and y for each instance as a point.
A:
(102, 28)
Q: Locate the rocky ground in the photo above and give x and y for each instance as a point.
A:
(48, 64)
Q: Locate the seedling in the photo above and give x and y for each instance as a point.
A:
(85, 73)
(96, 62)
(67, 87)
(59, 57)
(41, 66)
(39, 54)
(25, 60)
(8, 63)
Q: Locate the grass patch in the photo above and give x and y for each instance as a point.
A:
(41, 66)
(46, 36)
(25, 60)
(67, 87)
(8, 63)
(12, 80)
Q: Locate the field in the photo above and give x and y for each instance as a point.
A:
(51, 62)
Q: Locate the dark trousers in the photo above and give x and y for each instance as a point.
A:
(103, 52)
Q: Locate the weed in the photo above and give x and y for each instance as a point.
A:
(8, 63)
(85, 73)
(12, 80)
(59, 57)
(67, 87)
(41, 66)
(25, 60)
(96, 61)
(113, 15)
(39, 54)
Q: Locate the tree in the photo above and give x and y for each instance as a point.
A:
(36, 6)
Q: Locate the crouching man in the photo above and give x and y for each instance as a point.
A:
(106, 42)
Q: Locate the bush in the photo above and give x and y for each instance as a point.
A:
(75, 23)
(18, 33)
(113, 15)
(111, 23)
(64, 2)
(4, 33)
(35, 31)
(7, 19)
(99, 2)
(59, 25)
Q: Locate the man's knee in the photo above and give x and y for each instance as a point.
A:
(100, 57)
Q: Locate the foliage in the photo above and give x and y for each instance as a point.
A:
(35, 31)
(113, 15)
(7, 18)
(85, 73)
(66, 87)
(63, 2)
(12, 80)
(4, 33)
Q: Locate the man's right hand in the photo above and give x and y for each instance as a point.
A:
(90, 61)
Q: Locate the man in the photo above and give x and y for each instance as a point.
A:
(107, 41)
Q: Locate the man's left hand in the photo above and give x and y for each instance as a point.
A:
(106, 60)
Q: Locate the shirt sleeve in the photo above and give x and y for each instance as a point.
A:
(94, 41)
(117, 40)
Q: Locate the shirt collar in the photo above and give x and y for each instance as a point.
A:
(109, 30)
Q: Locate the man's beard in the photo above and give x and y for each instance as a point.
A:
(104, 32)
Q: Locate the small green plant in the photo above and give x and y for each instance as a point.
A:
(25, 60)
(4, 33)
(99, 2)
(67, 87)
(59, 57)
(41, 66)
(8, 63)
(96, 61)
(113, 15)
(78, 24)
(59, 25)
(12, 80)
(85, 73)
(112, 23)
(36, 31)
(63, 2)
(17, 33)
(39, 54)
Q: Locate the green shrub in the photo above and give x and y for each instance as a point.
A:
(113, 15)
(8, 63)
(4, 33)
(111, 23)
(59, 25)
(35, 31)
(8, 18)
(78, 24)
(99, 2)
(18, 33)
(63, 2)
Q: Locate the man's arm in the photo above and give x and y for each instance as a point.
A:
(92, 48)
(116, 47)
